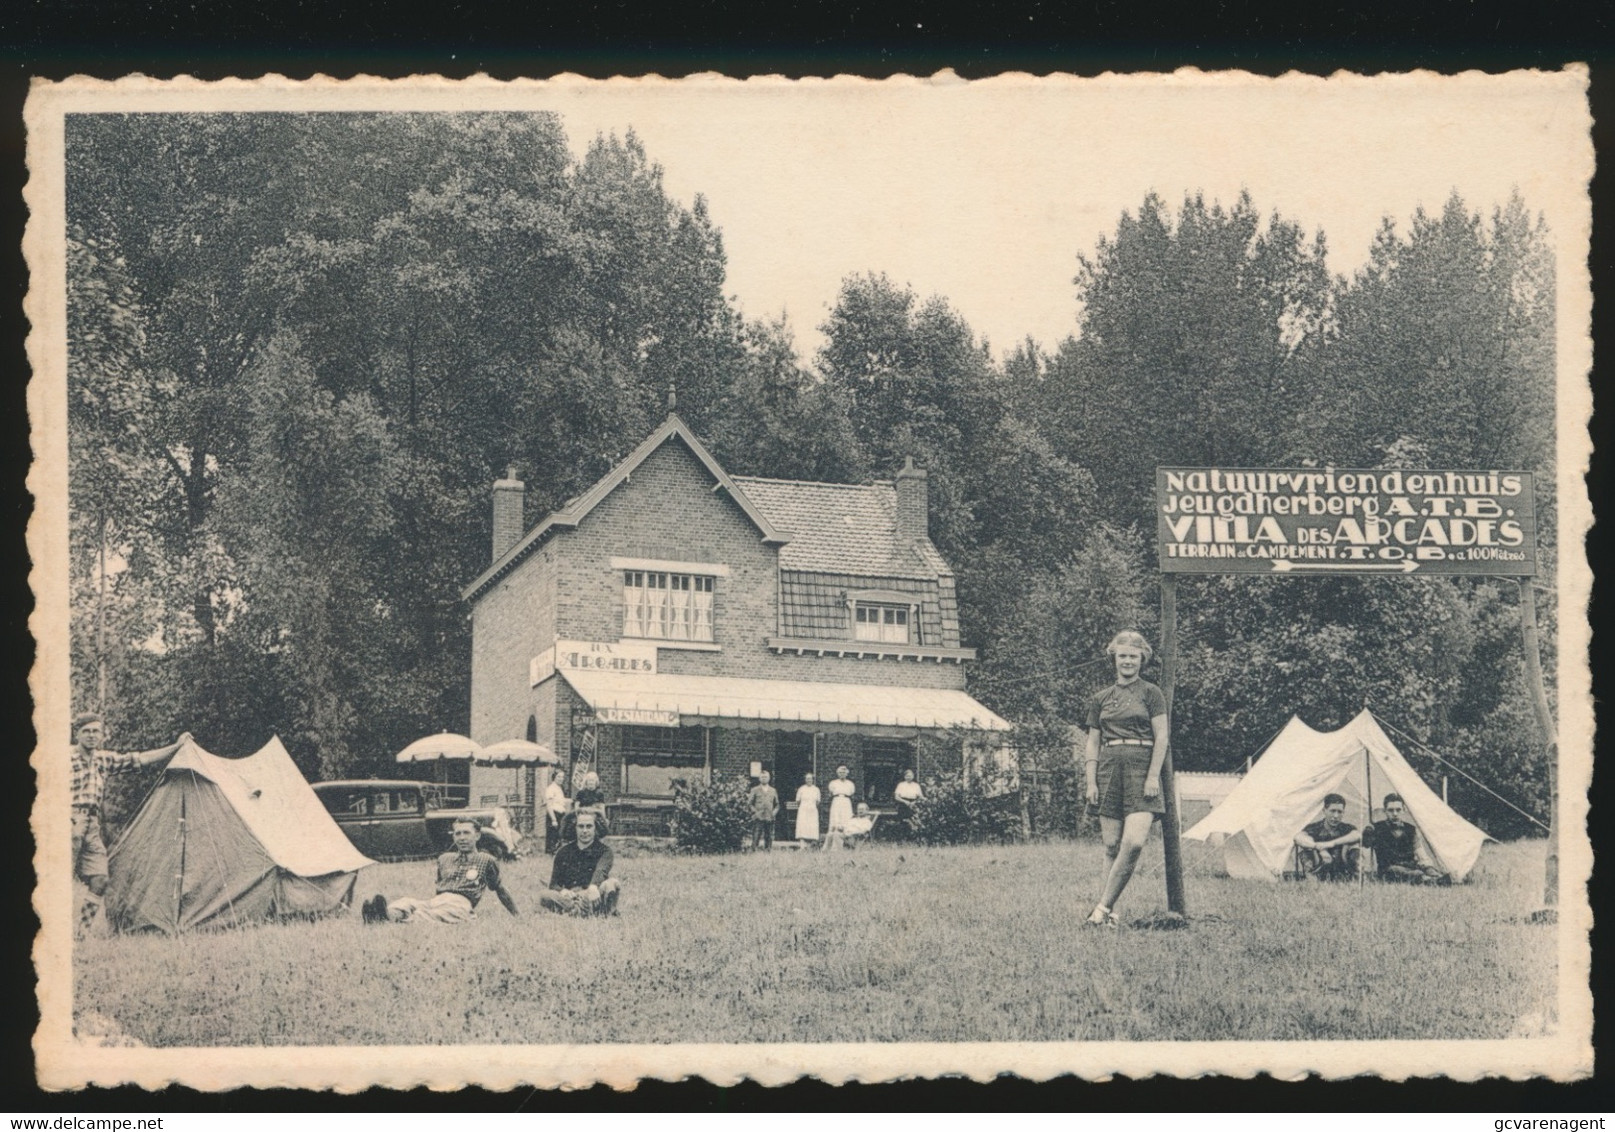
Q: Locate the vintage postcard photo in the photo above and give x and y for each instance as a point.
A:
(571, 581)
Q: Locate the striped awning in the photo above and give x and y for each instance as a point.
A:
(665, 700)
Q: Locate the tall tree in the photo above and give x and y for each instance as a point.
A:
(464, 295)
(1191, 333)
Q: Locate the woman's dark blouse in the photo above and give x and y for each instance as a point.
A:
(1124, 711)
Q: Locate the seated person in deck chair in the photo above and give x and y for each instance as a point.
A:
(1395, 842)
(581, 883)
(463, 875)
(1327, 849)
(857, 828)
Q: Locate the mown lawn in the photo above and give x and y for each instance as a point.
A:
(888, 943)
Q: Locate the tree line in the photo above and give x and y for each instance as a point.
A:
(302, 346)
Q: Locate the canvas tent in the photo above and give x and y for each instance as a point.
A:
(229, 841)
(1257, 823)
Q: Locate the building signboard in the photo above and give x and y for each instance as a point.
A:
(591, 656)
(638, 717)
(1344, 521)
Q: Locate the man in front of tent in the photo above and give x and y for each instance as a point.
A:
(464, 874)
(1328, 848)
(91, 765)
(1395, 842)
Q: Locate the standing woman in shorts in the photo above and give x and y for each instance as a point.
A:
(1127, 738)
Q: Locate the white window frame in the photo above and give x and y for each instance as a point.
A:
(661, 605)
(895, 611)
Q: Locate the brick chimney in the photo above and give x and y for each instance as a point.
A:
(508, 496)
(913, 502)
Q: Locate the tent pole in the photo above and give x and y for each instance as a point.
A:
(179, 880)
(1173, 850)
(1544, 717)
(1368, 792)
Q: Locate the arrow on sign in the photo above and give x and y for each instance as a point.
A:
(1284, 566)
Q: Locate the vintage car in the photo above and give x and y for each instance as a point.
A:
(390, 820)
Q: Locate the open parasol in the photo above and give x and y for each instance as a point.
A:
(517, 752)
(443, 745)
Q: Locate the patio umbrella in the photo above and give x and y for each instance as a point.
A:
(517, 752)
(443, 745)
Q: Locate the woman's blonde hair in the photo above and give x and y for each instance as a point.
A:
(1127, 639)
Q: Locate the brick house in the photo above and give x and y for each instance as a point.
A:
(674, 621)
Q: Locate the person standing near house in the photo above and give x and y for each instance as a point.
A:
(588, 798)
(555, 806)
(905, 795)
(841, 791)
(807, 810)
(91, 765)
(764, 811)
(1126, 747)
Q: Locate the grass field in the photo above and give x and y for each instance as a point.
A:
(888, 943)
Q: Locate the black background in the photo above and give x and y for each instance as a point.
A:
(298, 38)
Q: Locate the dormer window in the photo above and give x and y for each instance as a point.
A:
(662, 606)
(882, 620)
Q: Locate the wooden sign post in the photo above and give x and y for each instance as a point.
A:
(1172, 847)
(1544, 718)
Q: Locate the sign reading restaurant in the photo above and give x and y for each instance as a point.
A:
(1344, 521)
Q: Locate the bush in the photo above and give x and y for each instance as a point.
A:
(957, 810)
(711, 818)
(1063, 809)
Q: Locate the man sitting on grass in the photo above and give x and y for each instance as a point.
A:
(581, 883)
(1395, 842)
(1327, 849)
(463, 875)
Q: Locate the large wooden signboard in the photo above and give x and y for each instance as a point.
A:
(1299, 521)
(1344, 521)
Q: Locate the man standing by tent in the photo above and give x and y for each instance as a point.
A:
(1328, 848)
(1395, 842)
(464, 874)
(91, 765)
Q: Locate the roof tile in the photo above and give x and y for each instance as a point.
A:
(841, 528)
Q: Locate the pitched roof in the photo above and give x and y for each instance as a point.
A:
(574, 510)
(842, 528)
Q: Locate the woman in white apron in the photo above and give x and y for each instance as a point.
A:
(841, 792)
(807, 810)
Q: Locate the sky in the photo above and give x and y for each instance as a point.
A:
(985, 193)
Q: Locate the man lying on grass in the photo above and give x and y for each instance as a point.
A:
(581, 883)
(463, 875)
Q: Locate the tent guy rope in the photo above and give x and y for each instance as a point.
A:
(1425, 747)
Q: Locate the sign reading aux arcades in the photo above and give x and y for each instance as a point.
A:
(1344, 521)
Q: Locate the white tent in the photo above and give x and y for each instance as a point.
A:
(1257, 823)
